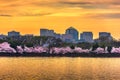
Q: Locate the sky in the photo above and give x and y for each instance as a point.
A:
(28, 16)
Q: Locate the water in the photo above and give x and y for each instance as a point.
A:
(37, 68)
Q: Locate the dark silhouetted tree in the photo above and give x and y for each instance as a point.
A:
(95, 46)
(109, 49)
(72, 47)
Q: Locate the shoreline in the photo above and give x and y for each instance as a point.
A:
(87, 55)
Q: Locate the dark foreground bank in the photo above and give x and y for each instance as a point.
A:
(60, 55)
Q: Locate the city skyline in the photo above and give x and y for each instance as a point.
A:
(28, 16)
(51, 32)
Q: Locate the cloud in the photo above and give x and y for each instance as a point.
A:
(105, 15)
(35, 14)
(62, 3)
(110, 15)
(92, 4)
(47, 7)
(5, 15)
(75, 3)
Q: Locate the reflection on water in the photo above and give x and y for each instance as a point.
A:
(63, 68)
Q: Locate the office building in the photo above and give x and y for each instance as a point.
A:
(86, 37)
(13, 34)
(57, 36)
(67, 37)
(73, 32)
(46, 32)
(2, 36)
(105, 35)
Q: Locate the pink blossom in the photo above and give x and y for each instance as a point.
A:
(39, 49)
(28, 49)
(19, 49)
(100, 50)
(115, 50)
(5, 47)
(80, 50)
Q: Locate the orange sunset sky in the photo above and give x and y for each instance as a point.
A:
(28, 16)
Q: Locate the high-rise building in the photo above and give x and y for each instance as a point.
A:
(72, 31)
(106, 35)
(46, 32)
(43, 32)
(67, 38)
(13, 34)
(86, 37)
(2, 36)
(57, 36)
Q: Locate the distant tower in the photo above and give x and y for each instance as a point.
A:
(72, 31)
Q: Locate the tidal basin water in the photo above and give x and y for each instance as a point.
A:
(59, 68)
